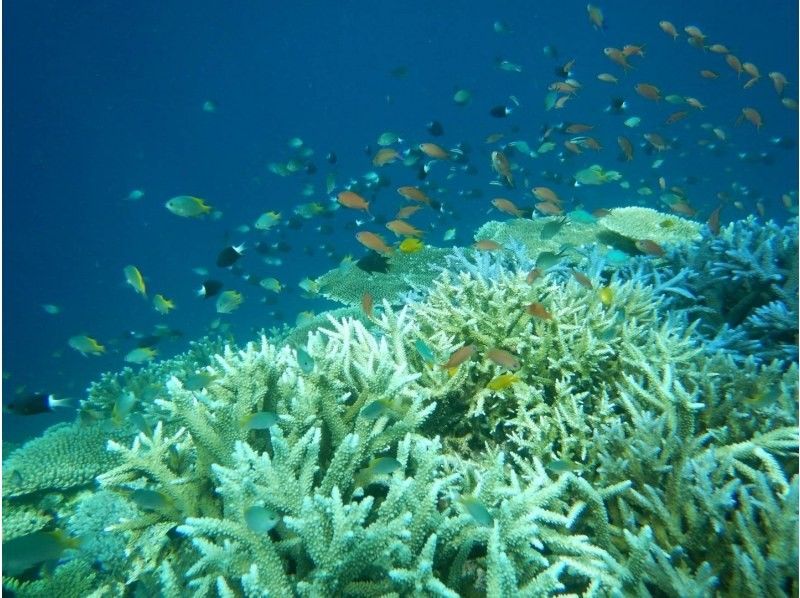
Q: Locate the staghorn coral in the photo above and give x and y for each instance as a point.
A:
(377, 543)
(742, 286)
(625, 457)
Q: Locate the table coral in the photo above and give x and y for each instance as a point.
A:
(645, 223)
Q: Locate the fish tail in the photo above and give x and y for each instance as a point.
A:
(54, 402)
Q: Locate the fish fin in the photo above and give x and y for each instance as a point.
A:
(54, 402)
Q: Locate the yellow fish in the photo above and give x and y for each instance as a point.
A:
(606, 296)
(411, 245)
(502, 381)
(163, 305)
(267, 220)
(86, 345)
(134, 278)
(271, 284)
(229, 301)
(187, 206)
(141, 355)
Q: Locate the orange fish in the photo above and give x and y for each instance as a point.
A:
(669, 29)
(501, 166)
(354, 201)
(373, 241)
(549, 208)
(607, 78)
(407, 212)
(778, 80)
(713, 221)
(561, 101)
(734, 63)
(651, 92)
(533, 275)
(367, 303)
(649, 247)
(563, 87)
(591, 143)
(626, 146)
(538, 310)
(459, 356)
(750, 83)
(693, 31)
(708, 74)
(414, 193)
(789, 103)
(402, 228)
(675, 117)
(595, 16)
(385, 155)
(751, 69)
(582, 279)
(694, 103)
(684, 208)
(434, 151)
(576, 128)
(487, 245)
(600, 212)
(753, 116)
(718, 49)
(656, 140)
(546, 194)
(503, 358)
(618, 57)
(631, 50)
(572, 147)
(507, 206)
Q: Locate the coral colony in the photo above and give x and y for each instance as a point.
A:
(528, 421)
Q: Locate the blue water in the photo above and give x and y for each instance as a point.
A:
(104, 98)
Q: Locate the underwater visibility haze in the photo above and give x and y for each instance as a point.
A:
(417, 299)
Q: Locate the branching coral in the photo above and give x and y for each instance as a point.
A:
(589, 439)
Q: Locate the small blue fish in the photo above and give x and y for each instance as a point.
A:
(260, 420)
(378, 466)
(304, 360)
(151, 500)
(477, 510)
(25, 552)
(424, 351)
(260, 519)
(384, 465)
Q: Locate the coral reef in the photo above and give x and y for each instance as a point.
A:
(495, 435)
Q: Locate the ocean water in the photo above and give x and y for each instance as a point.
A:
(106, 98)
(102, 99)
